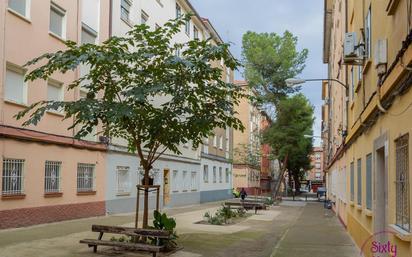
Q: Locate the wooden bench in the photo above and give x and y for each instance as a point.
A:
(134, 232)
(246, 204)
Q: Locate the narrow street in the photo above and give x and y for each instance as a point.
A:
(289, 230)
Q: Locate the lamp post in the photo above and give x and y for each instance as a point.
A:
(295, 81)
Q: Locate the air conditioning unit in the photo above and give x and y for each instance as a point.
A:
(349, 47)
(352, 51)
(381, 56)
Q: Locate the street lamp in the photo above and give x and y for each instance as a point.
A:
(311, 136)
(295, 81)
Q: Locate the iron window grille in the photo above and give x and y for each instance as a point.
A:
(123, 180)
(125, 6)
(85, 177)
(13, 177)
(52, 177)
(402, 183)
(359, 181)
(369, 182)
(352, 182)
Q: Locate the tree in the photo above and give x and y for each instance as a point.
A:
(140, 90)
(269, 59)
(286, 135)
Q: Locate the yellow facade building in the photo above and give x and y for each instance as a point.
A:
(368, 47)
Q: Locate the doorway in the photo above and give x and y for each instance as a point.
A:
(166, 187)
(381, 194)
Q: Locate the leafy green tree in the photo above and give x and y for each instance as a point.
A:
(141, 91)
(269, 59)
(286, 135)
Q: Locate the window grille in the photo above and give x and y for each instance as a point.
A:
(85, 177)
(369, 181)
(123, 179)
(359, 181)
(206, 174)
(125, 6)
(352, 182)
(402, 183)
(52, 177)
(13, 177)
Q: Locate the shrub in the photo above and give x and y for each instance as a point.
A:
(162, 222)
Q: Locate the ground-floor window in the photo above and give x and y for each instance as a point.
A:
(206, 174)
(227, 175)
(369, 182)
(85, 177)
(220, 175)
(402, 183)
(185, 183)
(359, 181)
(13, 177)
(52, 176)
(193, 181)
(123, 179)
(214, 174)
(352, 181)
(175, 187)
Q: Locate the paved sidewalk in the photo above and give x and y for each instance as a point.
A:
(315, 233)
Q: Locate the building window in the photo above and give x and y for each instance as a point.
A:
(89, 35)
(206, 146)
(55, 92)
(206, 174)
(359, 175)
(317, 175)
(185, 186)
(52, 177)
(175, 187)
(402, 183)
(193, 184)
(187, 27)
(85, 177)
(16, 88)
(220, 175)
(178, 11)
(123, 179)
(13, 177)
(125, 6)
(369, 181)
(214, 174)
(227, 175)
(214, 141)
(352, 181)
(195, 33)
(57, 20)
(144, 17)
(221, 142)
(20, 6)
(368, 33)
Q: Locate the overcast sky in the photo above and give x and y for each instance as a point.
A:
(304, 18)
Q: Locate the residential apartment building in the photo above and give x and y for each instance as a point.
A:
(46, 174)
(247, 146)
(316, 174)
(267, 165)
(368, 48)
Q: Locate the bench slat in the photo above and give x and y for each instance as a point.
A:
(131, 231)
(131, 246)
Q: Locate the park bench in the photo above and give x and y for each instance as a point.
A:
(248, 205)
(134, 232)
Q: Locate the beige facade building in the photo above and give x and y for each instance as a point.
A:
(316, 161)
(46, 174)
(247, 146)
(368, 47)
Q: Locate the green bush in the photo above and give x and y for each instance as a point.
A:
(162, 222)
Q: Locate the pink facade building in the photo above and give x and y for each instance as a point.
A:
(47, 175)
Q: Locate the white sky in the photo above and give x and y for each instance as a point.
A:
(304, 18)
